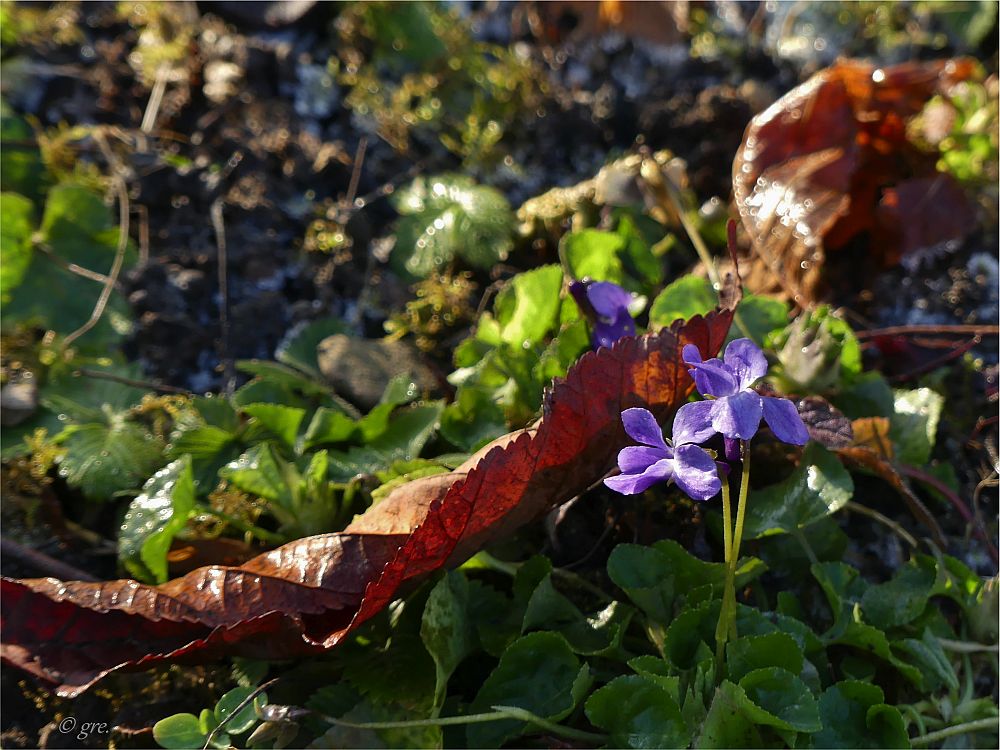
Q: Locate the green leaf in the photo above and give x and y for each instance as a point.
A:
(246, 717)
(446, 629)
(154, 518)
(637, 256)
(854, 715)
(784, 697)
(843, 588)
(104, 459)
(201, 442)
(868, 396)
(818, 487)
(727, 723)
(760, 316)
(538, 672)
(180, 731)
(21, 167)
(283, 375)
(899, 600)
(913, 425)
(329, 426)
(472, 420)
(652, 576)
(528, 307)
(594, 254)
(748, 653)
(408, 431)
(684, 298)
(16, 222)
(872, 641)
(447, 216)
(550, 610)
(639, 713)
(927, 655)
(283, 421)
(258, 472)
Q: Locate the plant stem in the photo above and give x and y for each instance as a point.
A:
(741, 508)
(500, 713)
(729, 588)
(263, 534)
(970, 726)
(800, 535)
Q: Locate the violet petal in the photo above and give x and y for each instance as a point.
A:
(747, 362)
(641, 426)
(608, 299)
(695, 472)
(737, 416)
(693, 423)
(633, 484)
(714, 378)
(607, 333)
(637, 458)
(784, 421)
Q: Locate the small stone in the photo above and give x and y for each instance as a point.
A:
(360, 369)
(18, 401)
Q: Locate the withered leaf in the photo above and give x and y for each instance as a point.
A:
(825, 422)
(306, 596)
(816, 165)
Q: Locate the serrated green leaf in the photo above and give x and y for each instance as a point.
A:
(284, 375)
(154, 518)
(751, 652)
(684, 298)
(927, 655)
(104, 459)
(727, 724)
(849, 721)
(446, 630)
(408, 431)
(548, 609)
(899, 600)
(447, 216)
(594, 254)
(329, 426)
(538, 672)
(529, 306)
(913, 425)
(16, 222)
(282, 421)
(258, 472)
(472, 420)
(637, 712)
(21, 167)
(760, 316)
(783, 697)
(872, 641)
(818, 487)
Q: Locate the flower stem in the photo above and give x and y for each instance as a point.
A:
(943, 734)
(729, 588)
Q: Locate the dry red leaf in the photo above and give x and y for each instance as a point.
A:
(307, 596)
(831, 159)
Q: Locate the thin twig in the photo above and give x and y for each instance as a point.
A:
(943, 734)
(917, 330)
(43, 563)
(116, 266)
(223, 274)
(143, 232)
(937, 361)
(956, 501)
(359, 160)
(86, 273)
(149, 385)
(243, 704)
(155, 99)
(885, 520)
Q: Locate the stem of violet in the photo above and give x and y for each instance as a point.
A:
(729, 588)
(741, 514)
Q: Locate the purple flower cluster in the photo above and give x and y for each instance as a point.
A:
(732, 408)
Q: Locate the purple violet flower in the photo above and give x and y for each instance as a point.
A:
(734, 409)
(689, 466)
(606, 307)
